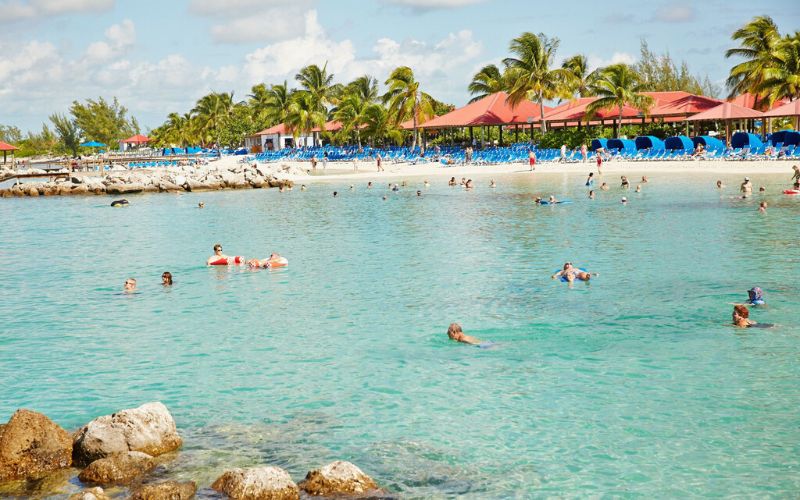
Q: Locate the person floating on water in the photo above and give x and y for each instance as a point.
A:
(130, 285)
(120, 203)
(570, 273)
(274, 260)
(755, 297)
(220, 259)
(455, 332)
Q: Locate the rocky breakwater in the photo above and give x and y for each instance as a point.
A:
(187, 178)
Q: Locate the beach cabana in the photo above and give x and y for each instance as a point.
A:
(649, 142)
(727, 112)
(679, 142)
(742, 139)
(623, 145)
(5, 148)
(599, 144)
(788, 109)
(134, 140)
(710, 143)
(785, 137)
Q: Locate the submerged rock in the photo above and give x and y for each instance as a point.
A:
(95, 493)
(31, 445)
(120, 468)
(149, 428)
(167, 490)
(257, 483)
(337, 478)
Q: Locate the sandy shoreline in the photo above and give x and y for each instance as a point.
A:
(368, 171)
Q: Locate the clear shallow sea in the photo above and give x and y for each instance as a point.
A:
(631, 385)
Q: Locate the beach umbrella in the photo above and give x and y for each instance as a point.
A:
(5, 148)
(93, 144)
(726, 112)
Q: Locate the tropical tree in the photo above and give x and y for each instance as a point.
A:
(617, 86)
(67, 131)
(319, 85)
(487, 81)
(406, 101)
(532, 76)
(103, 121)
(757, 42)
(351, 113)
(379, 127)
(578, 76)
(781, 78)
(304, 113)
(211, 113)
(270, 106)
(364, 87)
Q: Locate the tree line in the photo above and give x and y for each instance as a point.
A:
(769, 69)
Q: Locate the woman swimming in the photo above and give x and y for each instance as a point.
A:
(455, 332)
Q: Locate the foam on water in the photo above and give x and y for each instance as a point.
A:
(630, 384)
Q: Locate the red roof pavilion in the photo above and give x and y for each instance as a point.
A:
(136, 139)
(727, 111)
(493, 110)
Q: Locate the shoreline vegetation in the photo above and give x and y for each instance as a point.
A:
(129, 453)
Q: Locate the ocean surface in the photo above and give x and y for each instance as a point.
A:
(632, 385)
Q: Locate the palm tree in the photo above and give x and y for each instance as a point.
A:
(319, 84)
(365, 87)
(487, 81)
(406, 101)
(211, 113)
(579, 78)
(351, 113)
(616, 86)
(757, 41)
(379, 126)
(782, 76)
(531, 75)
(304, 113)
(270, 105)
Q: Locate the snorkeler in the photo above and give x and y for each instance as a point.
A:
(455, 332)
(755, 297)
(120, 203)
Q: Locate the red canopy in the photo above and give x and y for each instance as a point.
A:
(727, 111)
(4, 146)
(749, 101)
(575, 111)
(493, 109)
(136, 139)
(681, 104)
(275, 129)
(788, 109)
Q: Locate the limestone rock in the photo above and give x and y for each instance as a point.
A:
(121, 188)
(149, 428)
(95, 493)
(168, 490)
(337, 478)
(257, 483)
(31, 444)
(79, 189)
(120, 468)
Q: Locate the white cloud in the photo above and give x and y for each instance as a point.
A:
(596, 61)
(674, 13)
(241, 21)
(15, 10)
(120, 37)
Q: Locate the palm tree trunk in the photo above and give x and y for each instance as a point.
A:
(358, 138)
(541, 115)
(619, 122)
(414, 118)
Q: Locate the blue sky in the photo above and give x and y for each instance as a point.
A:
(160, 56)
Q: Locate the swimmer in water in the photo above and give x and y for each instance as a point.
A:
(644, 179)
(571, 273)
(202, 204)
(591, 194)
(369, 185)
(468, 184)
(755, 296)
(590, 179)
(455, 332)
(335, 194)
(741, 316)
(747, 187)
(796, 174)
(352, 187)
(166, 278)
(624, 200)
(264, 263)
(762, 207)
(625, 183)
(120, 203)
(537, 200)
(219, 255)
(385, 197)
(762, 189)
(303, 187)
(419, 193)
(552, 200)
(719, 184)
(426, 183)
(638, 188)
(395, 188)
(492, 184)
(130, 285)
(604, 187)
(452, 181)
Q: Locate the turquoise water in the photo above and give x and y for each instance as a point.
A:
(631, 385)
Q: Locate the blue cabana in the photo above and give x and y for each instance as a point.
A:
(649, 142)
(742, 139)
(679, 142)
(786, 137)
(710, 143)
(625, 145)
(599, 143)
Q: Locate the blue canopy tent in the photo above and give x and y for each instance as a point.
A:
(679, 142)
(599, 143)
(742, 139)
(624, 145)
(649, 142)
(785, 137)
(710, 143)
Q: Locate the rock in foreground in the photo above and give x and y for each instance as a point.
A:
(31, 444)
(121, 468)
(90, 494)
(149, 428)
(168, 490)
(257, 483)
(337, 478)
